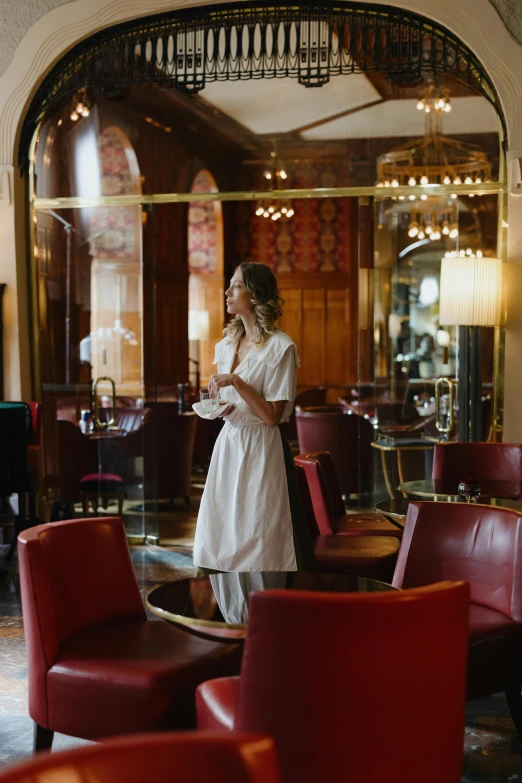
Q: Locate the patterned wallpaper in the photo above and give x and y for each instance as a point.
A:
(115, 228)
(202, 228)
(315, 239)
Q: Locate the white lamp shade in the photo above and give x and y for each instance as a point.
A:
(394, 325)
(198, 325)
(470, 291)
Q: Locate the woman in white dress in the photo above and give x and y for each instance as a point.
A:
(251, 530)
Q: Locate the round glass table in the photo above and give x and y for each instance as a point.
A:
(191, 604)
(448, 489)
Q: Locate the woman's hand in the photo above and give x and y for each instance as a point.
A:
(220, 381)
(228, 410)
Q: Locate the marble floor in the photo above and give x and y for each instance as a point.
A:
(492, 751)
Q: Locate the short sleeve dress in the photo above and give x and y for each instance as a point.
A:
(245, 521)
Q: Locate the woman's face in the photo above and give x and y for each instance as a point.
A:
(238, 297)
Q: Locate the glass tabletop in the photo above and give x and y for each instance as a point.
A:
(448, 488)
(191, 602)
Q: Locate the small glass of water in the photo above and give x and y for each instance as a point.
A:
(209, 403)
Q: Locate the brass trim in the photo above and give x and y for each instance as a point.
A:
(134, 540)
(75, 202)
(181, 619)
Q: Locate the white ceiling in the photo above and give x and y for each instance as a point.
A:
(280, 105)
(402, 118)
(269, 106)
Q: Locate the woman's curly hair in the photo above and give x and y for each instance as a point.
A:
(261, 282)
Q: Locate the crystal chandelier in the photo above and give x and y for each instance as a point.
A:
(434, 159)
(275, 174)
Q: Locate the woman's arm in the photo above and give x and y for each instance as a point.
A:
(269, 412)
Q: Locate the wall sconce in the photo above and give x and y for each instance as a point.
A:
(198, 325)
(444, 341)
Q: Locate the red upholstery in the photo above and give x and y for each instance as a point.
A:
(348, 439)
(482, 545)
(314, 678)
(314, 396)
(493, 461)
(163, 758)
(97, 666)
(359, 555)
(328, 504)
(34, 446)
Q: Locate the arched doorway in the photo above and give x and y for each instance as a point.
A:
(330, 242)
(206, 282)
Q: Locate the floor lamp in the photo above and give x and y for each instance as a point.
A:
(470, 297)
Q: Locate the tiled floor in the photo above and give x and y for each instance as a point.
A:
(492, 752)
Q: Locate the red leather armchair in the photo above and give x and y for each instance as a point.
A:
(369, 556)
(494, 461)
(314, 677)
(164, 758)
(482, 545)
(328, 504)
(346, 437)
(97, 667)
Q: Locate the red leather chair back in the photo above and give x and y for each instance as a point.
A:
(36, 419)
(313, 678)
(481, 544)
(306, 499)
(164, 758)
(494, 461)
(324, 489)
(73, 575)
(346, 437)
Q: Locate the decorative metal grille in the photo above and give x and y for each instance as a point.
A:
(308, 41)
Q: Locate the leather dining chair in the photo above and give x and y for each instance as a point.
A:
(483, 546)
(493, 461)
(346, 436)
(314, 396)
(316, 677)
(96, 666)
(162, 758)
(366, 555)
(328, 504)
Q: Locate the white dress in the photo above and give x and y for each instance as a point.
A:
(244, 521)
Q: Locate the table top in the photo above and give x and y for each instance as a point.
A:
(403, 444)
(191, 603)
(394, 508)
(430, 488)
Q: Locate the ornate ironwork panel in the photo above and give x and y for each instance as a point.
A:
(308, 41)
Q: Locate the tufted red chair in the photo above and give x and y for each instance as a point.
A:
(482, 545)
(97, 666)
(162, 758)
(358, 555)
(346, 436)
(313, 678)
(328, 503)
(493, 461)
